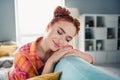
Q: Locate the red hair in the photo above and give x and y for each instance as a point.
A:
(61, 13)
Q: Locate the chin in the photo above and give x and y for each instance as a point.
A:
(53, 48)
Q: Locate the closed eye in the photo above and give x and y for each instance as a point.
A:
(59, 31)
(68, 39)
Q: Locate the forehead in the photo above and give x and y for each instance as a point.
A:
(68, 27)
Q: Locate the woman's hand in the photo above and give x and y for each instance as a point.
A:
(89, 58)
(63, 52)
(56, 56)
(69, 51)
(75, 52)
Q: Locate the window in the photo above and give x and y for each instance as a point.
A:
(32, 17)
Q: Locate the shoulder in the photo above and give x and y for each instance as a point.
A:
(25, 47)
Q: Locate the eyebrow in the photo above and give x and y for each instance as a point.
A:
(64, 32)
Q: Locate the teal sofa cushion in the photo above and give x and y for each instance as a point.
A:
(75, 68)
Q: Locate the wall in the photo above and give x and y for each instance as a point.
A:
(95, 6)
(7, 13)
(98, 7)
(7, 20)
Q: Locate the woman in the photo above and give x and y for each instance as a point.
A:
(40, 56)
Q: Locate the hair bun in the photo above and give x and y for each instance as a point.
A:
(60, 11)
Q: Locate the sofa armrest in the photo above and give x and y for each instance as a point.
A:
(75, 68)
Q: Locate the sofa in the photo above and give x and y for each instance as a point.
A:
(71, 68)
(75, 68)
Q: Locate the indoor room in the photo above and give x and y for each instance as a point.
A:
(23, 21)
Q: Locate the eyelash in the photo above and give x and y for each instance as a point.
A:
(60, 33)
(67, 40)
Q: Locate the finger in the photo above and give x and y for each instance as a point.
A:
(69, 54)
(69, 46)
(65, 49)
(60, 53)
(92, 61)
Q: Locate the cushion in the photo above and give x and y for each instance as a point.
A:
(3, 53)
(75, 68)
(7, 50)
(50, 76)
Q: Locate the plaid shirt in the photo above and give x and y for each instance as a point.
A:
(27, 63)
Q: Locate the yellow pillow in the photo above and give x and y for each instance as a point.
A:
(3, 53)
(50, 76)
(6, 50)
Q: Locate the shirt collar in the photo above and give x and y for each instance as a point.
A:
(33, 47)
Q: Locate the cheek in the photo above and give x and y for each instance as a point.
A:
(50, 36)
(54, 35)
(65, 44)
(51, 33)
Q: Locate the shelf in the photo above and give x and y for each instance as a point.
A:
(100, 36)
(89, 21)
(89, 33)
(110, 44)
(89, 45)
(119, 33)
(100, 21)
(110, 33)
(118, 45)
(118, 21)
(111, 21)
(99, 45)
(100, 32)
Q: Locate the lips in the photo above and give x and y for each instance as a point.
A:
(55, 44)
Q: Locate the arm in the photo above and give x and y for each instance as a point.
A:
(54, 58)
(63, 52)
(48, 68)
(89, 58)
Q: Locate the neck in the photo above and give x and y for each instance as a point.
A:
(43, 52)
